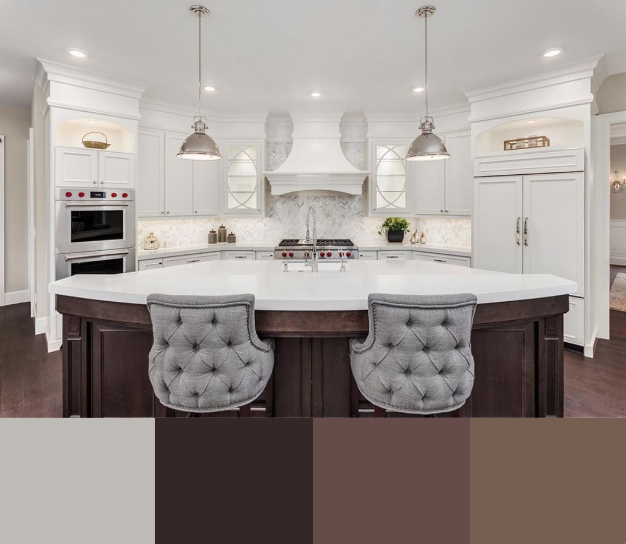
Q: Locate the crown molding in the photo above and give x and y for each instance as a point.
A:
(534, 80)
(47, 71)
(188, 109)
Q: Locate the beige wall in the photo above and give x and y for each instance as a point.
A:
(612, 94)
(14, 125)
(618, 162)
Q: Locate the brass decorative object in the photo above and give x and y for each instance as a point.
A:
(526, 143)
(94, 144)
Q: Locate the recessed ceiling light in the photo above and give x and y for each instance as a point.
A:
(209, 89)
(78, 53)
(555, 51)
(316, 94)
(418, 89)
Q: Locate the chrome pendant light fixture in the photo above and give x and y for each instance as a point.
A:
(427, 146)
(199, 146)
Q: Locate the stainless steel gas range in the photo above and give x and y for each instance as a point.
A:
(327, 249)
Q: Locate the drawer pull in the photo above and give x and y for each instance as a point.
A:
(392, 257)
(440, 260)
(241, 257)
(194, 261)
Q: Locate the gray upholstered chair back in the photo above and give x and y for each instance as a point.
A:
(206, 355)
(417, 357)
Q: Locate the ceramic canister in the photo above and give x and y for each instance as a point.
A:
(212, 237)
(221, 234)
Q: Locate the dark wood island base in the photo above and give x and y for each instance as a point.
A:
(517, 347)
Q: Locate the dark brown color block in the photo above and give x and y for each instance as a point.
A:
(548, 481)
(234, 480)
(390, 481)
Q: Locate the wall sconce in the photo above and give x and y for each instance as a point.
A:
(617, 186)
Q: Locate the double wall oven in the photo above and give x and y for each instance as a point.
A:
(95, 231)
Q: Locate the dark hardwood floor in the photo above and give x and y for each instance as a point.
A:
(30, 378)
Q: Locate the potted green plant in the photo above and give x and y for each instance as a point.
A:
(394, 227)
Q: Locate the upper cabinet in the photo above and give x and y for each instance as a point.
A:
(172, 187)
(76, 167)
(445, 187)
(389, 179)
(243, 193)
(398, 187)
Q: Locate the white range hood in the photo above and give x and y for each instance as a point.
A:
(316, 162)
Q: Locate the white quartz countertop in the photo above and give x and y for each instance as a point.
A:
(176, 251)
(305, 291)
(144, 254)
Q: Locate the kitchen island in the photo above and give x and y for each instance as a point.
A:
(517, 339)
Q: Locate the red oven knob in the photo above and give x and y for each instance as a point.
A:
(81, 194)
(328, 254)
(114, 195)
(322, 254)
(341, 253)
(348, 254)
(306, 254)
(291, 253)
(284, 254)
(124, 195)
(68, 194)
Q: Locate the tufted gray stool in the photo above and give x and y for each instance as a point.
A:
(206, 355)
(417, 358)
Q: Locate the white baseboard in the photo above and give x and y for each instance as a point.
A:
(590, 347)
(16, 297)
(618, 261)
(53, 345)
(41, 325)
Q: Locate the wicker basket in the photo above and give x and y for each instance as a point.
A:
(93, 144)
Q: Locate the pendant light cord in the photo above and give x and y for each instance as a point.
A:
(426, 57)
(199, 63)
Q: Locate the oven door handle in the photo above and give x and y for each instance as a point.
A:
(76, 256)
(102, 204)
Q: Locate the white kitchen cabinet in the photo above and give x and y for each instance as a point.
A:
(150, 264)
(430, 188)
(178, 179)
(243, 193)
(116, 169)
(444, 187)
(151, 174)
(574, 322)
(458, 174)
(497, 224)
(264, 255)
(390, 181)
(237, 255)
(531, 161)
(554, 226)
(400, 255)
(206, 178)
(368, 255)
(190, 259)
(75, 167)
(442, 259)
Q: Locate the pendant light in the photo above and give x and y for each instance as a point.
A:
(199, 146)
(427, 146)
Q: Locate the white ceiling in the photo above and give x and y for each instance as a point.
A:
(261, 55)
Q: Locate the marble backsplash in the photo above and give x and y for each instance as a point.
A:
(338, 216)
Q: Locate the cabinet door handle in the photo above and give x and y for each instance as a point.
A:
(517, 232)
(525, 231)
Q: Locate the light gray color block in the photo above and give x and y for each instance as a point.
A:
(206, 355)
(417, 357)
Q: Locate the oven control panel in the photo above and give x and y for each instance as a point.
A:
(327, 253)
(90, 195)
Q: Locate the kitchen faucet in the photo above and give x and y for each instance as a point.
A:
(308, 238)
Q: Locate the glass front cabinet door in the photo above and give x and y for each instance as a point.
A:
(389, 185)
(244, 182)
